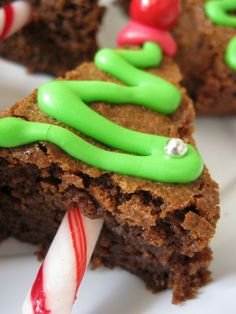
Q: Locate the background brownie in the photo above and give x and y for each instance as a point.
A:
(201, 49)
(157, 231)
(61, 35)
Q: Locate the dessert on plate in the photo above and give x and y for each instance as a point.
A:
(158, 230)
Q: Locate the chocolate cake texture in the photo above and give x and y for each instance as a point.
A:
(61, 35)
(158, 231)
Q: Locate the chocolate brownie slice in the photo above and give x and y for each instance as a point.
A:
(158, 231)
(62, 35)
(201, 56)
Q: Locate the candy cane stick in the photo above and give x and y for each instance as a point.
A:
(13, 17)
(54, 290)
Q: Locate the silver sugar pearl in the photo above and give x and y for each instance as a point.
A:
(176, 147)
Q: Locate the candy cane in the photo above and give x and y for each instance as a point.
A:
(56, 285)
(13, 17)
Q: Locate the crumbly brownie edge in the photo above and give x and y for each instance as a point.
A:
(182, 274)
(31, 210)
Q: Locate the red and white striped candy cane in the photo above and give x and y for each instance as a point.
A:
(13, 17)
(56, 285)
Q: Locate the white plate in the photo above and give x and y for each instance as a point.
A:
(115, 292)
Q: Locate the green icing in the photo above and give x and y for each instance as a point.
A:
(152, 163)
(65, 101)
(146, 89)
(218, 13)
(230, 55)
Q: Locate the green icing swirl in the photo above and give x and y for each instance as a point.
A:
(65, 101)
(218, 13)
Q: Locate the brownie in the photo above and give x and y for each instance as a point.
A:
(201, 50)
(62, 35)
(158, 231)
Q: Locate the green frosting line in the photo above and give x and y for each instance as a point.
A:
(230, 55)
(153, 164)
(152, 91)
(218, 13)
(65, 101)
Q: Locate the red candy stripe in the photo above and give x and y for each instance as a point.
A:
(38, 296)
(79, 242)
(9, 18)
(77, 232)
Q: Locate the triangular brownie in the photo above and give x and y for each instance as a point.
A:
(157, 229)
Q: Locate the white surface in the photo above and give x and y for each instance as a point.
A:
(116, 292)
